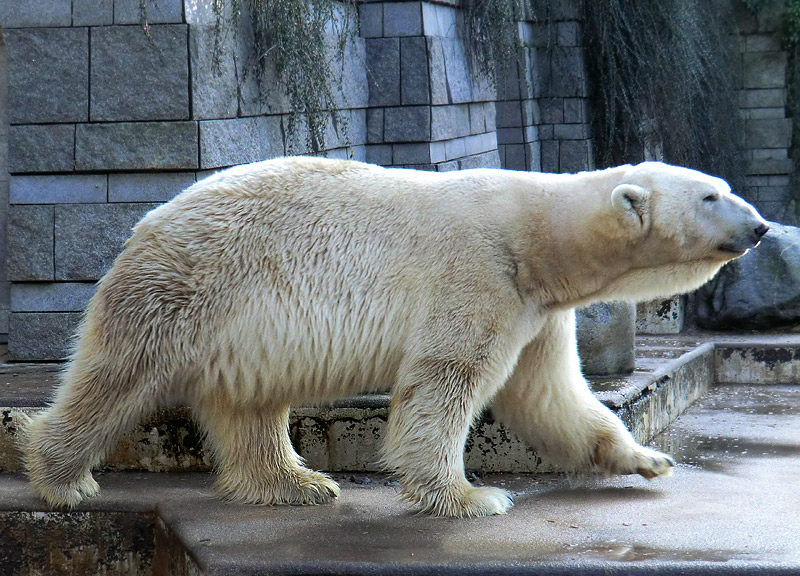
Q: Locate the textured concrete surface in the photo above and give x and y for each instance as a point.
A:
(730, 508)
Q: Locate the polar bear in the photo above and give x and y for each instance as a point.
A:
(299, 280)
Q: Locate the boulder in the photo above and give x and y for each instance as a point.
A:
(760, 290)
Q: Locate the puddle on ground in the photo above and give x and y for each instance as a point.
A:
(619, 552)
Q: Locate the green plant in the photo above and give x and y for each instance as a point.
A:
(664, 78)
(294, 37)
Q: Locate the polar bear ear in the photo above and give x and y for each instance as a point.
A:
(632, 201)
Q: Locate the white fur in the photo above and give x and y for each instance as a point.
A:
(301, 280)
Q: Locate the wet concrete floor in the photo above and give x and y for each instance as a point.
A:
(732, 506)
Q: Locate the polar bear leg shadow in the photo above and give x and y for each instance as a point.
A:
(254, 457)
(549, 404)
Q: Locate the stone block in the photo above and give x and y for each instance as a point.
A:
(575, 111)
(533, 156)
(92, 12)
(402, 19)
(351, 69)
(664, 316)
(408, 124)
(30, 243)
(150, 11)
(459, 79)
(768, 133)
(763, 98)
(509, 114)
(552, 110)
(437, 71)
(60, 189)
(568, 34)
(355, 130)
(51, 296)
(475, 144)
(202, 12)
(374, 125)
(477, 118)
(550, 155)
(573, 156)
(762, 43)
(510, 135)
(41, 148)
(489, 159)
(514, 157)
(438, 20)
(571, 131)
(449, 122)
(35, 13)
(450, 166)
(48, 75)
(780, 194)
(531, 113)
(215, 87)
(380, 154)
(139, 77)
(566, 75)
(371, 20)
(240, 140)
(764, 69)
(89, 236)
(606, 335)
(137, 146)
(41, 336)
(455, 149)
(760, 113)
(158, 187)
(416, 153)
(415, 86)
(383, 71)
(768, 167)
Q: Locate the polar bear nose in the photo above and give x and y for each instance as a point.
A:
(761, 230)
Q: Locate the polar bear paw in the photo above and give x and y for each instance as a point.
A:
(651, 464)
(67, 494)
(299, 487)
(462, 502)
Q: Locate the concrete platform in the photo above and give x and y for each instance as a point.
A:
(732, 507)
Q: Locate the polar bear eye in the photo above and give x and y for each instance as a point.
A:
(711, 198)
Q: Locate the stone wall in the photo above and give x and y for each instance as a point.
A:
(106, 122)
(768, 129)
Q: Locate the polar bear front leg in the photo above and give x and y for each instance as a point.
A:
(254, 457)
(432, 408)
(548, 403)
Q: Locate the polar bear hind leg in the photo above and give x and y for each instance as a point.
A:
(548, 403)
(254, 457)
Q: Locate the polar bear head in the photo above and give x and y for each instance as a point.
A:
(685, 225)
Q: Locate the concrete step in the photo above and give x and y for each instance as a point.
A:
(672, 372)
(731, 508)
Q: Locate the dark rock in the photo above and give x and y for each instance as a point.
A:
(760, 290)
(606, 333)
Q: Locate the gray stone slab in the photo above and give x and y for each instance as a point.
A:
(571, 131)
(459, 79)
(509, 114)
(374, 125)
(41, 336)
(761, 98)
(135, 76)
(89, 236)
(574, 156)
(371, 20)
(148, 187)
(58, 189)
(41, 148)
(240, 141)
(764, 69)
(35, 13)
(350, 67)
(768, 133)
(566, 75)
(51, 296)
(383, 71)
(402, 19)
(550, 155)
(449, 121)
(415, 84)
(437, 71)
(202, 12)
(407, 124)
(48, 75)
(137, 146)
(215, 86)
(150, 11)
(380, 154)
(92, 12)
(416, 153)
(30, 243)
